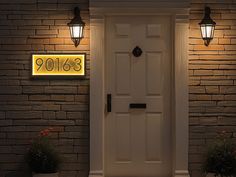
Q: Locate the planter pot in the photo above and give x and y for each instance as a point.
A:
(45, 174)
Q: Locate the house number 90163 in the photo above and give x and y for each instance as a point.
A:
(68, 65)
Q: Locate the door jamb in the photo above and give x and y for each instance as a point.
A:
(97, 87)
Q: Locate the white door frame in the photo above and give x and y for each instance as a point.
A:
(180, 90)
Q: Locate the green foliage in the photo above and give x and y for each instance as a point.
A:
(221, 157)
(42, 156)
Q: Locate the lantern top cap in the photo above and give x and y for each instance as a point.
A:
(77, 19)
(207, 19)
(76, 11)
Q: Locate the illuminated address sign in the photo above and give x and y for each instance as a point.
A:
(58, 65)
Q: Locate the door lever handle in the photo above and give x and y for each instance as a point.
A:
(137, 105)
(108, 102)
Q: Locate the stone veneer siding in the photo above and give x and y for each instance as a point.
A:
(212, 79)
(29, 105)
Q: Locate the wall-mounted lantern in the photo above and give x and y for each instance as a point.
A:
(207, 26)
(76, 26)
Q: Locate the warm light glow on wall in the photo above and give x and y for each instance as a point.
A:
(58, 65)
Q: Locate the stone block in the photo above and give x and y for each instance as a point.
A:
(24, 114)
(217, 82)
(61, 89)
(49, 114)
(212, 89)
(62, 97)
(14, 98)
(82, 98)
(83, 89)
(13, 128)
(61, 122)
(196, 89)
(13, 107)
(39, 97)
(46, 32)
(228, 89)
(75, 107)
(33, 89)
(46, 107)
(61, 115)
(10, 89)
(74, 135)
(69, 157)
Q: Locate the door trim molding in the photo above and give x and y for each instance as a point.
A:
(97, 87)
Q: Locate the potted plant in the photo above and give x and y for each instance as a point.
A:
(221, 157)
(42, 157)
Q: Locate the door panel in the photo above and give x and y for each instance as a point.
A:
(153, 127)
(137, 141)
(122, 73)
(153, 68)
(123, 143)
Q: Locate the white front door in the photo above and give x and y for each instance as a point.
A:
(138, 128)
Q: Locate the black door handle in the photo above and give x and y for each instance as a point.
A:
(137, 105)
(108, 102)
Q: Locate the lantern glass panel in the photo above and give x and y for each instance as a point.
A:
(76, 31)
(207, 31)
(212, 31)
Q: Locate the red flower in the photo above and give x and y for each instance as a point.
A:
(46, 131)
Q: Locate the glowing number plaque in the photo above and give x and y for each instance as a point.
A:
(58, 64)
